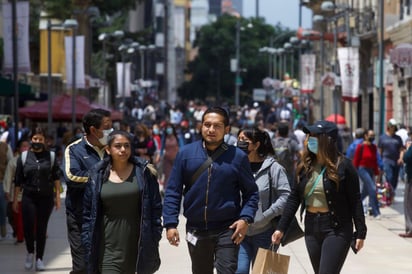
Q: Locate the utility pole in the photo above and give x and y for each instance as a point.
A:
(237, 78)
(15, 70)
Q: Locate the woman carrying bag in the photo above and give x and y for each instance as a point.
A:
(327, 188)
(273, 188)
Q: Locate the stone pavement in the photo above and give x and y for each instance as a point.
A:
(384, 251)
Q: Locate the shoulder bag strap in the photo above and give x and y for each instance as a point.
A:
(222, 148)
(315, 183)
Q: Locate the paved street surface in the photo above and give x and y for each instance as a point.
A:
(384, 252)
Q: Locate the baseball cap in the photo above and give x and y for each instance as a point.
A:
(392, 122)
(322, 127)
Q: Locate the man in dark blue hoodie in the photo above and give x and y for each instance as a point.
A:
(220, 203)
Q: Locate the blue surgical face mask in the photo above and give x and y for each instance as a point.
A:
(156, 131)
(169, 130)
(313, 145)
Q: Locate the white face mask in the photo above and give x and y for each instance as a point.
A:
(103, 140)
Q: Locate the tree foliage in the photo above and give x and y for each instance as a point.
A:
(216, 42)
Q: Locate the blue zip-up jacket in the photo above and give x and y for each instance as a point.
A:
(78, 158)
(223, 193)
(148, 260)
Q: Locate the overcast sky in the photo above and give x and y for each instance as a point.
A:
(284, 11)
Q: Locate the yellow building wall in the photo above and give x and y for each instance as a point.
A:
(58, 64)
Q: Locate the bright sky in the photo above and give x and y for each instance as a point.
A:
(284, 11)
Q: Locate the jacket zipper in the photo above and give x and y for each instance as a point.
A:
(209, 174)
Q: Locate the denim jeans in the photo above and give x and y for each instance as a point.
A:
(3, 205)
(213, 249)
(327, 246)
(369, 189)
(249, 247)
(391, 172)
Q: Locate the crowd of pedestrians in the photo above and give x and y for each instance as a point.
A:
(233, 171)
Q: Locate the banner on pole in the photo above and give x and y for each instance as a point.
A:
(308, 65)
(22, 24)
(123, 83)
(79, 61)
(349, 67)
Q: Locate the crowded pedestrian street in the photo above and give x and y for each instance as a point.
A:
(384, 251)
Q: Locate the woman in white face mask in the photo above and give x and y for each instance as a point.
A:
(327, 187)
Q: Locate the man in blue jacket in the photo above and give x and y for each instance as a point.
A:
(79, 157)
(218, 205)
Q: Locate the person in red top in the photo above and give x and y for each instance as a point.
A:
(366, 161)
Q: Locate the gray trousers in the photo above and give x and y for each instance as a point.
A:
(407, 205)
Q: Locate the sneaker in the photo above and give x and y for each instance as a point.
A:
(39, 265)
(29, 261)
(377, 217)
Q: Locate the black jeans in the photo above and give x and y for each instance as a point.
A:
(36, 211)
(74, 229)
(213, 249)
(327, 246)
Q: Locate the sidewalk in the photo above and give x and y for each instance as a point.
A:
(384, 251)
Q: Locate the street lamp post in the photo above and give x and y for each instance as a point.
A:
(72, 24)
(104, 38)
(237, 78)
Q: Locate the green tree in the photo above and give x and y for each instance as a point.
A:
(210, 70)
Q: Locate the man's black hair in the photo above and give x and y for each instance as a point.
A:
(94, 118)
(218, 110)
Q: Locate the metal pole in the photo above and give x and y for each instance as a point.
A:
(15, 70)
(124, 81)
(322, 72)
(349, 44)
(105, 97)
(275, 57)
(381, 56)
(335, 67)
(73, 79)
(300, 13)
(237, 78)
(257, 8)
(49, 78)
(142, 64)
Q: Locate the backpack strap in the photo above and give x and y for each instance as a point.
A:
(24, 157)
(52, 157)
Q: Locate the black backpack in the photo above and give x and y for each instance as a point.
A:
(283, 153)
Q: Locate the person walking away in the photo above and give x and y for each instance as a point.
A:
(170, 147)
(122, 210)
(366, 161)
(327, 188)
(407, 201)
(16, 217)
(78, 158)
(273, 186)
(6, 154)
(286, 150)
(38, 174)
(391, 149)
(219, 202)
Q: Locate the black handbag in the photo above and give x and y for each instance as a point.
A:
(294, 231)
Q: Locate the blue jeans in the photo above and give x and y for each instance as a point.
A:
(3, 205)
(369, 189)
(249, 247)
(391, 173)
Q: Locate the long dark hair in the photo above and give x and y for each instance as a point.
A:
(257, 135)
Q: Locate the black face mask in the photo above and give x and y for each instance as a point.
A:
(371, 139)
(243, 146)
(37, 146)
